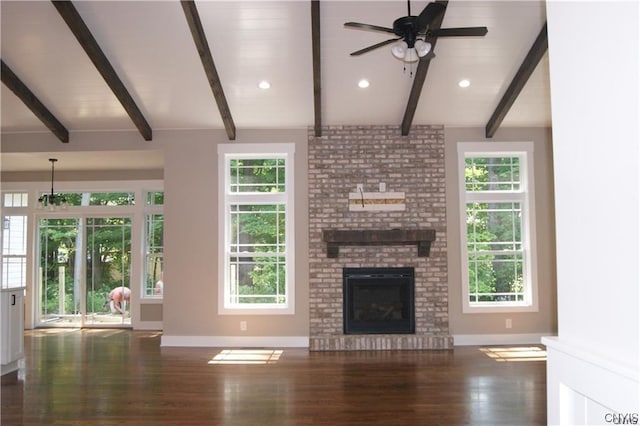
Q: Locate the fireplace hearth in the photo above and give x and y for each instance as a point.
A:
(378, 300)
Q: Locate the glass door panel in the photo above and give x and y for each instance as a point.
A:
(59, 271)
(84, 272)
(108, 271)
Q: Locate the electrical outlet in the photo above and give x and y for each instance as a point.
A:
(243, 326)
(360, 187)
(382, 186)
(508, 323)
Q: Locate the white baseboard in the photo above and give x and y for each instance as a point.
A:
(237, 341)
(10, 367)
(498, 339)
(303, 341)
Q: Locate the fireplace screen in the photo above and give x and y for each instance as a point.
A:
(378, 300)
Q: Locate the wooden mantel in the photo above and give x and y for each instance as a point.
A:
(420, 237)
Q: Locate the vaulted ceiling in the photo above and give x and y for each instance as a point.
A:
(152, 51)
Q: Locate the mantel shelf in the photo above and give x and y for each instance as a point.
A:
(420, 237)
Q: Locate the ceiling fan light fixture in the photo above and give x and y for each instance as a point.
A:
(422, 47)
(411, 55)
(399, 49)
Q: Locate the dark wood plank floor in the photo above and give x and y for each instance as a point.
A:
(119, 377)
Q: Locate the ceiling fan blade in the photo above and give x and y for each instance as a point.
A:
(458, 32)
(431, 12)
(368, 27)
(375, 46)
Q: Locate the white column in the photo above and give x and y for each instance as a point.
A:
(593, 365)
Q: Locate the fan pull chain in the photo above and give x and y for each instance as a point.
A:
(404, 69)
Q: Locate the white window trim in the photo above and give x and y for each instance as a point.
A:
(225, 152)
(483, 149)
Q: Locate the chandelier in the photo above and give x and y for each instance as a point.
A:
(52, 201)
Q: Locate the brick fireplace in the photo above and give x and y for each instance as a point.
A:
(348, 156)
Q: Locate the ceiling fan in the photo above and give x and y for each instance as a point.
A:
(414, 31)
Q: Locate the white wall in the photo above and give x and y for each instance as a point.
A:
(593, 365)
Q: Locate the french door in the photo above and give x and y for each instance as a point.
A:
(81, 260)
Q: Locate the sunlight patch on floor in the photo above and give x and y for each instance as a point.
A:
(515, 353)
(104, 333)
(247, 356)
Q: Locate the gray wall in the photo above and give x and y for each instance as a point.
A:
(191, 217)
(191, 239)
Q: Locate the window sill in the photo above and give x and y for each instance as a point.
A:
(243, 310)
(496, 309)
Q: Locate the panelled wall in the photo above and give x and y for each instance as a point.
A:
(344, 157)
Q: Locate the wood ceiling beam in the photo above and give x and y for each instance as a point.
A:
(421, 75)
(527, 67)
(13, 83)
(317, 79)
(74, 21)
(200, 40)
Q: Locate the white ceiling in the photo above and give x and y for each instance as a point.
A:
(150, 47)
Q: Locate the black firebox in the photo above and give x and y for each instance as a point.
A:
(378, 300)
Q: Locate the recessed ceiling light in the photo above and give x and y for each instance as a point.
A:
(264, 85)
(464, 83)
(363, 84)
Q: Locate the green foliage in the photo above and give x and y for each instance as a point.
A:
(258, 175)
(155, 243)
(100, 199)
(107, 256)
(155, 198)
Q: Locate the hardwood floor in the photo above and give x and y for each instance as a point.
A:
(121, 377)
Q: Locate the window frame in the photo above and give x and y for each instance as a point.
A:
(151, 209)
(19, 210)
(525, 196)
(227, 152)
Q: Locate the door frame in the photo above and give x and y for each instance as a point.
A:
(82, 251)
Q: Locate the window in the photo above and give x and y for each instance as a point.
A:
(14, 251)
(154, 246)
(256, 200)
(98, 198)
(15, 199)
(14, 241)
(497, 227)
